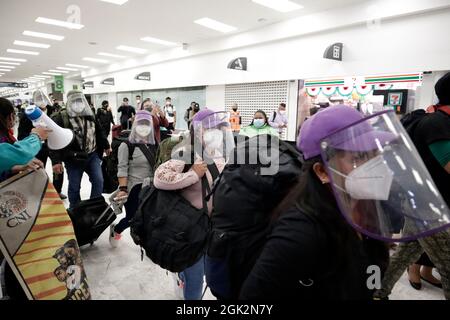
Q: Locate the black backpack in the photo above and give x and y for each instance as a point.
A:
(239, 231)
(172, 232)
(110, 163)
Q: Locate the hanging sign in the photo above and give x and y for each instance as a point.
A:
(89, 84)
(238, 64)
(13, 85)
(145, 76)
(334, 52)
(108, 82)
(59, 84)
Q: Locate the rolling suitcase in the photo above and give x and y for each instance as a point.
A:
(90, 218)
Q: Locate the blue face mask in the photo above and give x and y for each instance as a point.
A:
(259, 123)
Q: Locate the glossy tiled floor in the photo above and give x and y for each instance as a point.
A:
(120, 274)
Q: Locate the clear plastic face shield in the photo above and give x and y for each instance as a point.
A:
(40, 99)
(142, 131)
(381, 184)
(214, 135)
(77, 105)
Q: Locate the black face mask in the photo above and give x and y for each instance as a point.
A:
(234, 109)
(196, 109)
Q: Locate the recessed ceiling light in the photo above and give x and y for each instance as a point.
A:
(43, 35)
(32, 53)
(52, 73)
(58, 71)
(95, 60)
(12, 59)
(279, 5)
(215, 25)
(158, 41)
(131, 49)
(64, 68)
(7, 67)
(5, 70)
(77, 66)
(31, 44)
(118, 2)
(105, 54)
(60, 23)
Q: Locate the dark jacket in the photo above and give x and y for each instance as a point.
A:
(300, 262)
(105, 118)
(58, 156)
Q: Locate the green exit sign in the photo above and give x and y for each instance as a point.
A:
(59, 84)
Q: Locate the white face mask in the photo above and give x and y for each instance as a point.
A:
(259, 123)
(282, 112)
(213, 138)
(143, 130)
(370, 181)
(78, 106)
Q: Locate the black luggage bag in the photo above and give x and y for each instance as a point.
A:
(90, 218)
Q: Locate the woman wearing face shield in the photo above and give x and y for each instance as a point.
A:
(209, 135)
(136, 161)
(362, 183)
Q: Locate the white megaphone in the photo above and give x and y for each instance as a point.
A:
(58, 138)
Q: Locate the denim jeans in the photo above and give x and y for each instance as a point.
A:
(193, 280)
(75, 172)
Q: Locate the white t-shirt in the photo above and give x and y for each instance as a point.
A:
(169, 110)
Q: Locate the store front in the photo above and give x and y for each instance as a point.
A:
(368, 94)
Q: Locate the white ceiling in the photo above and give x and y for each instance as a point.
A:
(110, 25)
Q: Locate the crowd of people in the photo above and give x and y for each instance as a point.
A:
(330, 227)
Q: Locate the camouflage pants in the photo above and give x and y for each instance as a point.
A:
(436, 246)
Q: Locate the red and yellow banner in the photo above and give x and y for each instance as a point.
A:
(38, 241)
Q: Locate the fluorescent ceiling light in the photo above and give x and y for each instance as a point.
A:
(58, 71)
(52, 73)
(158, 41)
(7, 67)
(43, 35)
(60, 23)
(95, 60)
(64, 68)
(32, 53)
(215, 25)
(5, 70)
(42, 77)
(31, 44)
(131, 49)
(12, 59)
(77, 66)
(118, 2)
(105, 54)
(11, 63)
(279, 5)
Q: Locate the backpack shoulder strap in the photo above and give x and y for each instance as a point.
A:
(131, 148)
(274, 116)
(148, 154)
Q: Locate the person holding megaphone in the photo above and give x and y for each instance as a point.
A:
(42, 101)
(84, 152)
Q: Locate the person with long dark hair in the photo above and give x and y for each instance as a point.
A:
(259, 125)
(16, 156)
(355, 190)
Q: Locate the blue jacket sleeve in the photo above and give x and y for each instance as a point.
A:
(19, 153)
